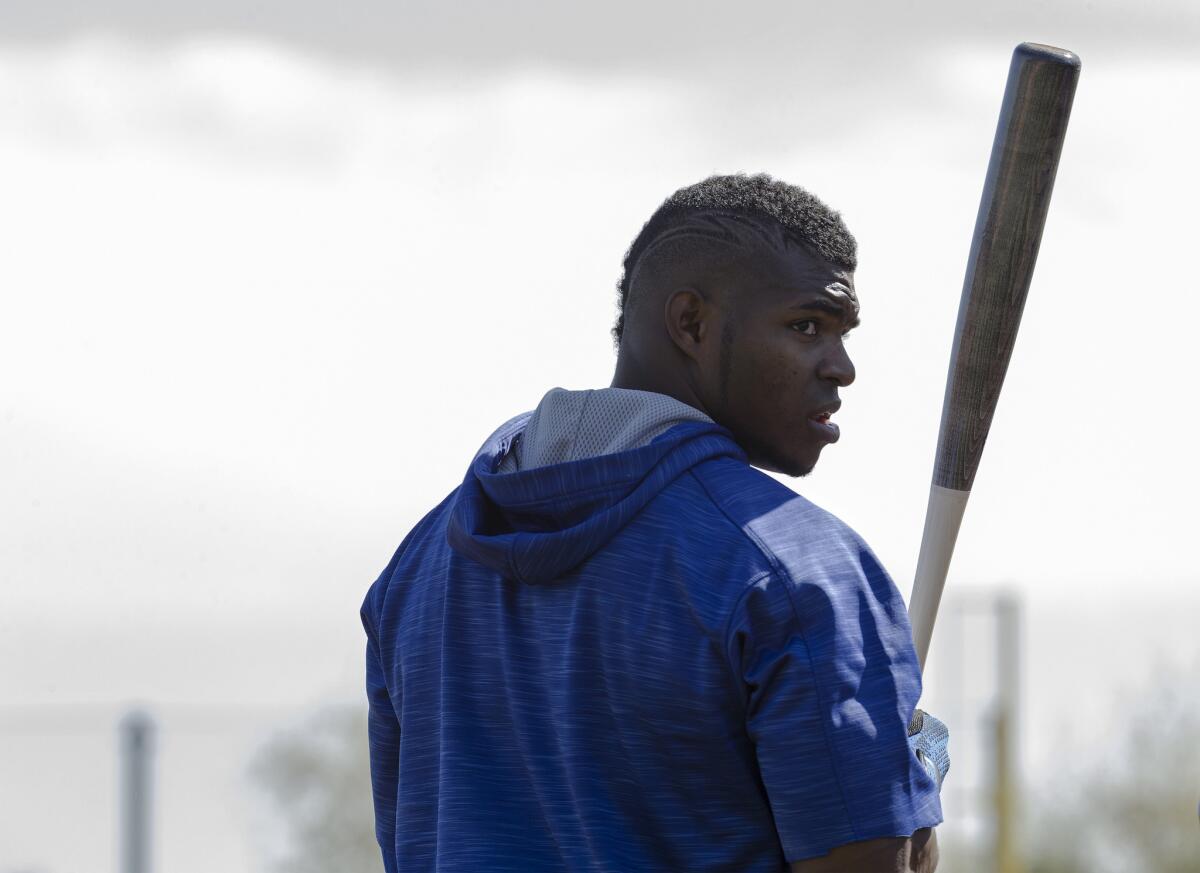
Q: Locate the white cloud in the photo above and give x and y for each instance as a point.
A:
(266, 287)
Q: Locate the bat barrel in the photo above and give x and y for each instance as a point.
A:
(1008, 233)
(1040, 52)
(1004, 248)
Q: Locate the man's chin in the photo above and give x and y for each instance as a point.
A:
(795, 468)
(800, 472)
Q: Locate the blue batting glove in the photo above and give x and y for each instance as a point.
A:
(929, 738)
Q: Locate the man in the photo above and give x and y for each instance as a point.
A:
(617, 646)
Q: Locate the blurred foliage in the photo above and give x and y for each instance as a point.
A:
(1136, 811)
(318, 778)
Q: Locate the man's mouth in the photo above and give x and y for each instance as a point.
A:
(825, 428)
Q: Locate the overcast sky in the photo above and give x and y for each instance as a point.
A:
(678, 38)
(271, 276)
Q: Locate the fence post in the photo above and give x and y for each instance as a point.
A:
(136, 732)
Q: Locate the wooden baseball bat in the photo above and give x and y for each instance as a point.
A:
(1008, 231)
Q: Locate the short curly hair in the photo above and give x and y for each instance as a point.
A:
(751, 202)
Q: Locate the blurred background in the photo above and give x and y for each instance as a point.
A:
(242, 352)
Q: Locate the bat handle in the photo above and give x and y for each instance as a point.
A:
(942, 520)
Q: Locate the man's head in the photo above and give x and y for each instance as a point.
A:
(735, 299)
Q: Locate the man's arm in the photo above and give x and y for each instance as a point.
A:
(915, 854)
(831, 682)
(383, 729)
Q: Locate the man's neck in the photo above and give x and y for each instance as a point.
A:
(629, 375)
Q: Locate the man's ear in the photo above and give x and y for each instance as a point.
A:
(689, 320)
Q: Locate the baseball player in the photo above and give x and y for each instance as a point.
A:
(618, 645)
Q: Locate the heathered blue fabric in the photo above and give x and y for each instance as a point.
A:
(659, 659)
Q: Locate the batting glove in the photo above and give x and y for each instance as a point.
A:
(929, 738)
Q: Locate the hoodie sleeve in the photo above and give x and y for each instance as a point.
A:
(383, 731)
(830, 680)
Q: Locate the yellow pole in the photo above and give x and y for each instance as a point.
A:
(1007, 854)
(1007, 860)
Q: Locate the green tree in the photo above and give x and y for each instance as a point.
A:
(318, 779)
(1136, 811)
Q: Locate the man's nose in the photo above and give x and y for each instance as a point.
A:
(837, 366)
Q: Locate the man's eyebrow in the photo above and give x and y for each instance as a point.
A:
(823, 304)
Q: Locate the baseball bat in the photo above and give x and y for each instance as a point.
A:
(1004, 248)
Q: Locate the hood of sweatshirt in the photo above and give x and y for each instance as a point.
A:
(551, 487)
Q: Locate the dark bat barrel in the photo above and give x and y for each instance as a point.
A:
(1008, 231)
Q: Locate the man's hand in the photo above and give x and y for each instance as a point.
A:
(915, 854)
(929, 739)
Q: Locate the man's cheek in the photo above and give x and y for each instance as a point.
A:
(780, 380)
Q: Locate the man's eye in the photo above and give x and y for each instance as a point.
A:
(807, 327)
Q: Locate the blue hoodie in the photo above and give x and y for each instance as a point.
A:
(658, 658)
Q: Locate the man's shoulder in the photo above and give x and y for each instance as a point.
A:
(822, 572)
(785, 525)
(424, 542)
